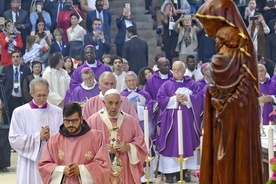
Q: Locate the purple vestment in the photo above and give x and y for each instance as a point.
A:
(80, 94)
(153, 84)
(76, 79)
(201, 84)
(167, 141)
(268, 88)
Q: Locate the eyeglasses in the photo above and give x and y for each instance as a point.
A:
(177, 70)
(73, 121)
(125, 63)
(129, 81)
(88, 79)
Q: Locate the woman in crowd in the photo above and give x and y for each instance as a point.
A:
(36, 72)
(68, 65)
(58, 79)
(143, 75)
(40, 28)
(40, 13)
(187, 43)
(75, 36)
(169, 35)
(258, 31)
(64, 19)
(10, 40)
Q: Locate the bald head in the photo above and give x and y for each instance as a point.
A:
(178, 69)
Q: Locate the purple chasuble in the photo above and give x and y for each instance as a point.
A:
(154, 82)
(201, 84)
(167, 141)
(268, 88)
(76, 79)
(80, 94)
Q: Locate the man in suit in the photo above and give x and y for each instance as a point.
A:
(14, 76)
(102, 14)
(21, 19)
(54, 7)
(58, 45)
(122, 23)
(135, 50)
(98, 39)
(271, 45)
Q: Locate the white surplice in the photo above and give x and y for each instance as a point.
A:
(24, 137)
(58, 83)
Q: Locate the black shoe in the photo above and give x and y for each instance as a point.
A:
(185, 178)
(169, 178)
(147, 12)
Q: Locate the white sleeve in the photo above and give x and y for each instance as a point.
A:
(85, 175)
(133, 155)
(57, 175)
(172, 104)
(26, 145)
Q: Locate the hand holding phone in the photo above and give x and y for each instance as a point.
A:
(254, 18)
(98, 28)
(39, 8)
(127, 5)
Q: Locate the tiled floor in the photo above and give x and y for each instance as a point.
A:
(10, 177)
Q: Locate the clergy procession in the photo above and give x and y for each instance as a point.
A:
(77, 108)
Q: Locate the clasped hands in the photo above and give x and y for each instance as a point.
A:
(121, 147)
(45, 133)
(71, 170)
(264, 99)
(181, 98)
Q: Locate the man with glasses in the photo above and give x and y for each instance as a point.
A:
(76, 154)
(14, 77)
(88, 88)
(125, 66)
(179, 92)
(31, 126)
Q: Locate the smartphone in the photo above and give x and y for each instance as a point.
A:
(98, 28)
(127, 5)
(247, 9)
(254, 18)
(38, 8)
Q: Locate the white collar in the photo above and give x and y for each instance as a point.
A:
(134, 90)
(88, 88)
(163, 76)
(94, 65)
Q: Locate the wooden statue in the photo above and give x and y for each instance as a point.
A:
(231, 143)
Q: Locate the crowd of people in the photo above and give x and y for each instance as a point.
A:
(76, 113)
